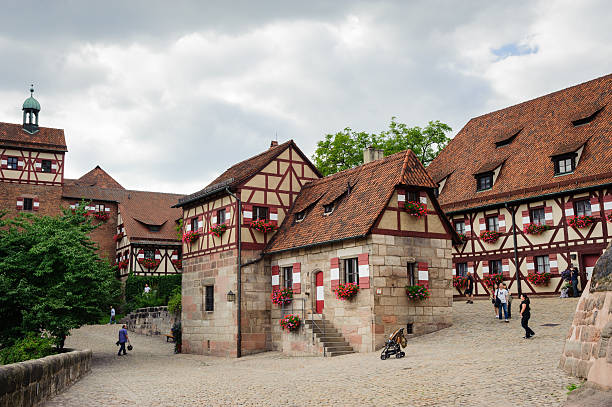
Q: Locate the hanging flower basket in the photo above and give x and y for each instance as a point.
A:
(460, 282)
(290, 322)
(178, 264)
(417, 292)
(103, 216)
(149, 263)
(123, 264)
(535, 229)
(581, 221)
(463, 237)
(415, 209)
(490, 236)
(346, 291)
(282, 297)
(118, 237)
(539, 278)
(262, 226)
(190, 237)
(218, 230)
(492, 279)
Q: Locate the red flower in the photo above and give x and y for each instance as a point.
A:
(346, 291)
(417, 292)
(538, 278)
(415, 209)
(490, 236)
(190, 237)
(118, 237)
(492, 279)
(149, 263)
(581, 221)
(535, 228)
(103, 216)
(460, 282)
(218, 230)
(282, 297)
(290, 322)
(262, 226)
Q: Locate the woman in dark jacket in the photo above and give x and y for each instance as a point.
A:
(525, 315)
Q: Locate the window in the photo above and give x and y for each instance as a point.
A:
(260, 212)
(412, 276)
(11, 162)
(583, 208)
(210, 298)
(154, 228)
(351, 271)
(460, 226)
(327, 209)
(495, 267)
(149, 254)
(221, 216)
(412, 196)
(484, 182)
(492, 224)
(537, 216)
(27, 204)
(461, 269)
(541, 264)
(287, 277)
(100, 208)
(565, 164)
(588, 119)
(46, 166)
(194, 224)
(300, 216)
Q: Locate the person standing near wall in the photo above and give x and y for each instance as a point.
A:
(495, 300)
(525, 310)
(112, 315)
(509, 302)
(469, 291)
(502, 295)
(123, 338)
(574, 276)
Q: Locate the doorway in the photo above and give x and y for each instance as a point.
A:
(588, 261)
(320, 293)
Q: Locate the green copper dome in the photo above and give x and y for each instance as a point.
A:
(31, 103)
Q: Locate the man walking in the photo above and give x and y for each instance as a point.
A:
(469, 291)
(123, 338)
(112, 316)
(502, 294)
(574, 276)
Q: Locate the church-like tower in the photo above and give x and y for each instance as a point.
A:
(31, 109)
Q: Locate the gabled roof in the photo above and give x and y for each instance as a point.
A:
(140, 209)
(527, 171)
(98, 178)
(354, 213)
(241, 172)
(13, 135)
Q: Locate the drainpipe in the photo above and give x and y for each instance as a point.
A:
(239, 277)
(517, 274)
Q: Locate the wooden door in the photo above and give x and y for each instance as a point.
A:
(320, 293)
(588, 261)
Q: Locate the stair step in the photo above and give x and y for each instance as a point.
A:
(340, 353)
(326, 330)
(338, 348)
(329, 337)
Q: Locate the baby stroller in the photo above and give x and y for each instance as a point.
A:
(392, 345)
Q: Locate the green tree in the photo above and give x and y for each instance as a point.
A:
(51, 277)
(344, 150)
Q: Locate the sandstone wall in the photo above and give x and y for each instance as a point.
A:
(32, 382)
(151, 321)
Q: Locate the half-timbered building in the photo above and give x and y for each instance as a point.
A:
(530, 188)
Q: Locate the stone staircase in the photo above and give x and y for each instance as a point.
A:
(329, 337)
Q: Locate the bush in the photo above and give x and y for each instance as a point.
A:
(145, 300)
(175, 302)
(32, 346)
(164, 285)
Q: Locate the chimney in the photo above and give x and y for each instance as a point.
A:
(274, 143)
(372, 154)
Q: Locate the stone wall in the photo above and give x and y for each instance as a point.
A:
(151, 321)
(34, 381)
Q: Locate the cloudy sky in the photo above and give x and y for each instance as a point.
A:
(166, 97)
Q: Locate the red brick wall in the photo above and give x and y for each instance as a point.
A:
(48, 197)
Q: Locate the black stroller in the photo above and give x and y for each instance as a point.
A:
(392, 345)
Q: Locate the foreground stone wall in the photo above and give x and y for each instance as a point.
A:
(151, 321)
(34, 381)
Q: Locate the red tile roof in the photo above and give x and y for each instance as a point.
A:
(97, 177)
(13, 135)
(140, 209)
(527, 170)
(354, 213)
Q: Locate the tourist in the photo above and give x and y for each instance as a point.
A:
(112, 316)
(575, 281)
(502, 295)
(495, 300)
(147, 289)
(469, 291)
(123, 338)
(509, 303)
(525, 315)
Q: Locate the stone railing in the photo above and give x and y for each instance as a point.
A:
(150, 321)
(32, 382)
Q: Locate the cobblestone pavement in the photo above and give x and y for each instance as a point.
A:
(479, 361)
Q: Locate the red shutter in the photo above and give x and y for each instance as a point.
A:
(530, 265)
(595, 207)
(275, 278)
(3, 162)
(423, 274)
(228, 215)
(468, 227)
(53, 166)
(607, 201)
(274, 216)
(20, 163)
(506, 267)
(38, 165)
(548, 215)
(364, 270)
(35, 204)
(401, 198)
(247, 214)
(200, 224)
(552, 260)
(296, 278)
(501, 219)
(485, 268)
(481, 225)
(423, 198)
(334, 268)
(157, 254)
(20, 203)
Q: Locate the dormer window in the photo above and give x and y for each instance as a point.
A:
(154, 228)
(484, 181)
(587, 119)
(299, 216)
(565, 164)
(504, 141)
(328, 209)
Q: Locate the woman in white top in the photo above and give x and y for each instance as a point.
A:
(502, 295)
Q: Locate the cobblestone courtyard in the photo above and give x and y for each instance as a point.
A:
(477, 362)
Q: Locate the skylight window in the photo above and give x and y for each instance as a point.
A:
(586, 120)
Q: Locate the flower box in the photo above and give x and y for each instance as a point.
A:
(290, 322)
(178, 264)
(123, 264)
(460, 282)
(282, 297)
(218, 230)
(417, 292)
(463, 237)
(535, 229)
(538, 278)
(490, 236)
(190, 237)
(416, 209)
(149, 263)
(346, 291)
(103, 216)
(118, 237)
(262, 226)
(581, 221)
(492, 279)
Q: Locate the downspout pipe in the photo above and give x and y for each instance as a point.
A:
(239, 275)
(517, 275)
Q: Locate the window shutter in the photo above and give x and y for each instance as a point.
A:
(485, 267)
(20, 163)
(200, 224)
(607, 202)
(526, 218)
(454, 269)
(482, 225)
(20, 203)
(364, 270)
(569, 209)
(548, 215)
(174, 255)
(401, 198)
(157, 254)
(296, 278)
(470, 266)
(4, 162)
(187, 225)
(274, 216)
(501, 221)
(468, 227)
(228, 215)
(334, 272)
(423, 198)
(275, 278)
(423, 274)
(595, 206)
(213, 218)
(530, 265)
(35, 204)
(247, 214)
(38, 164)
(53, 166)
(552, 261)
(506, 267)
(140, 254)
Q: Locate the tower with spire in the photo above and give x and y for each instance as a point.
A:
(31, 108)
